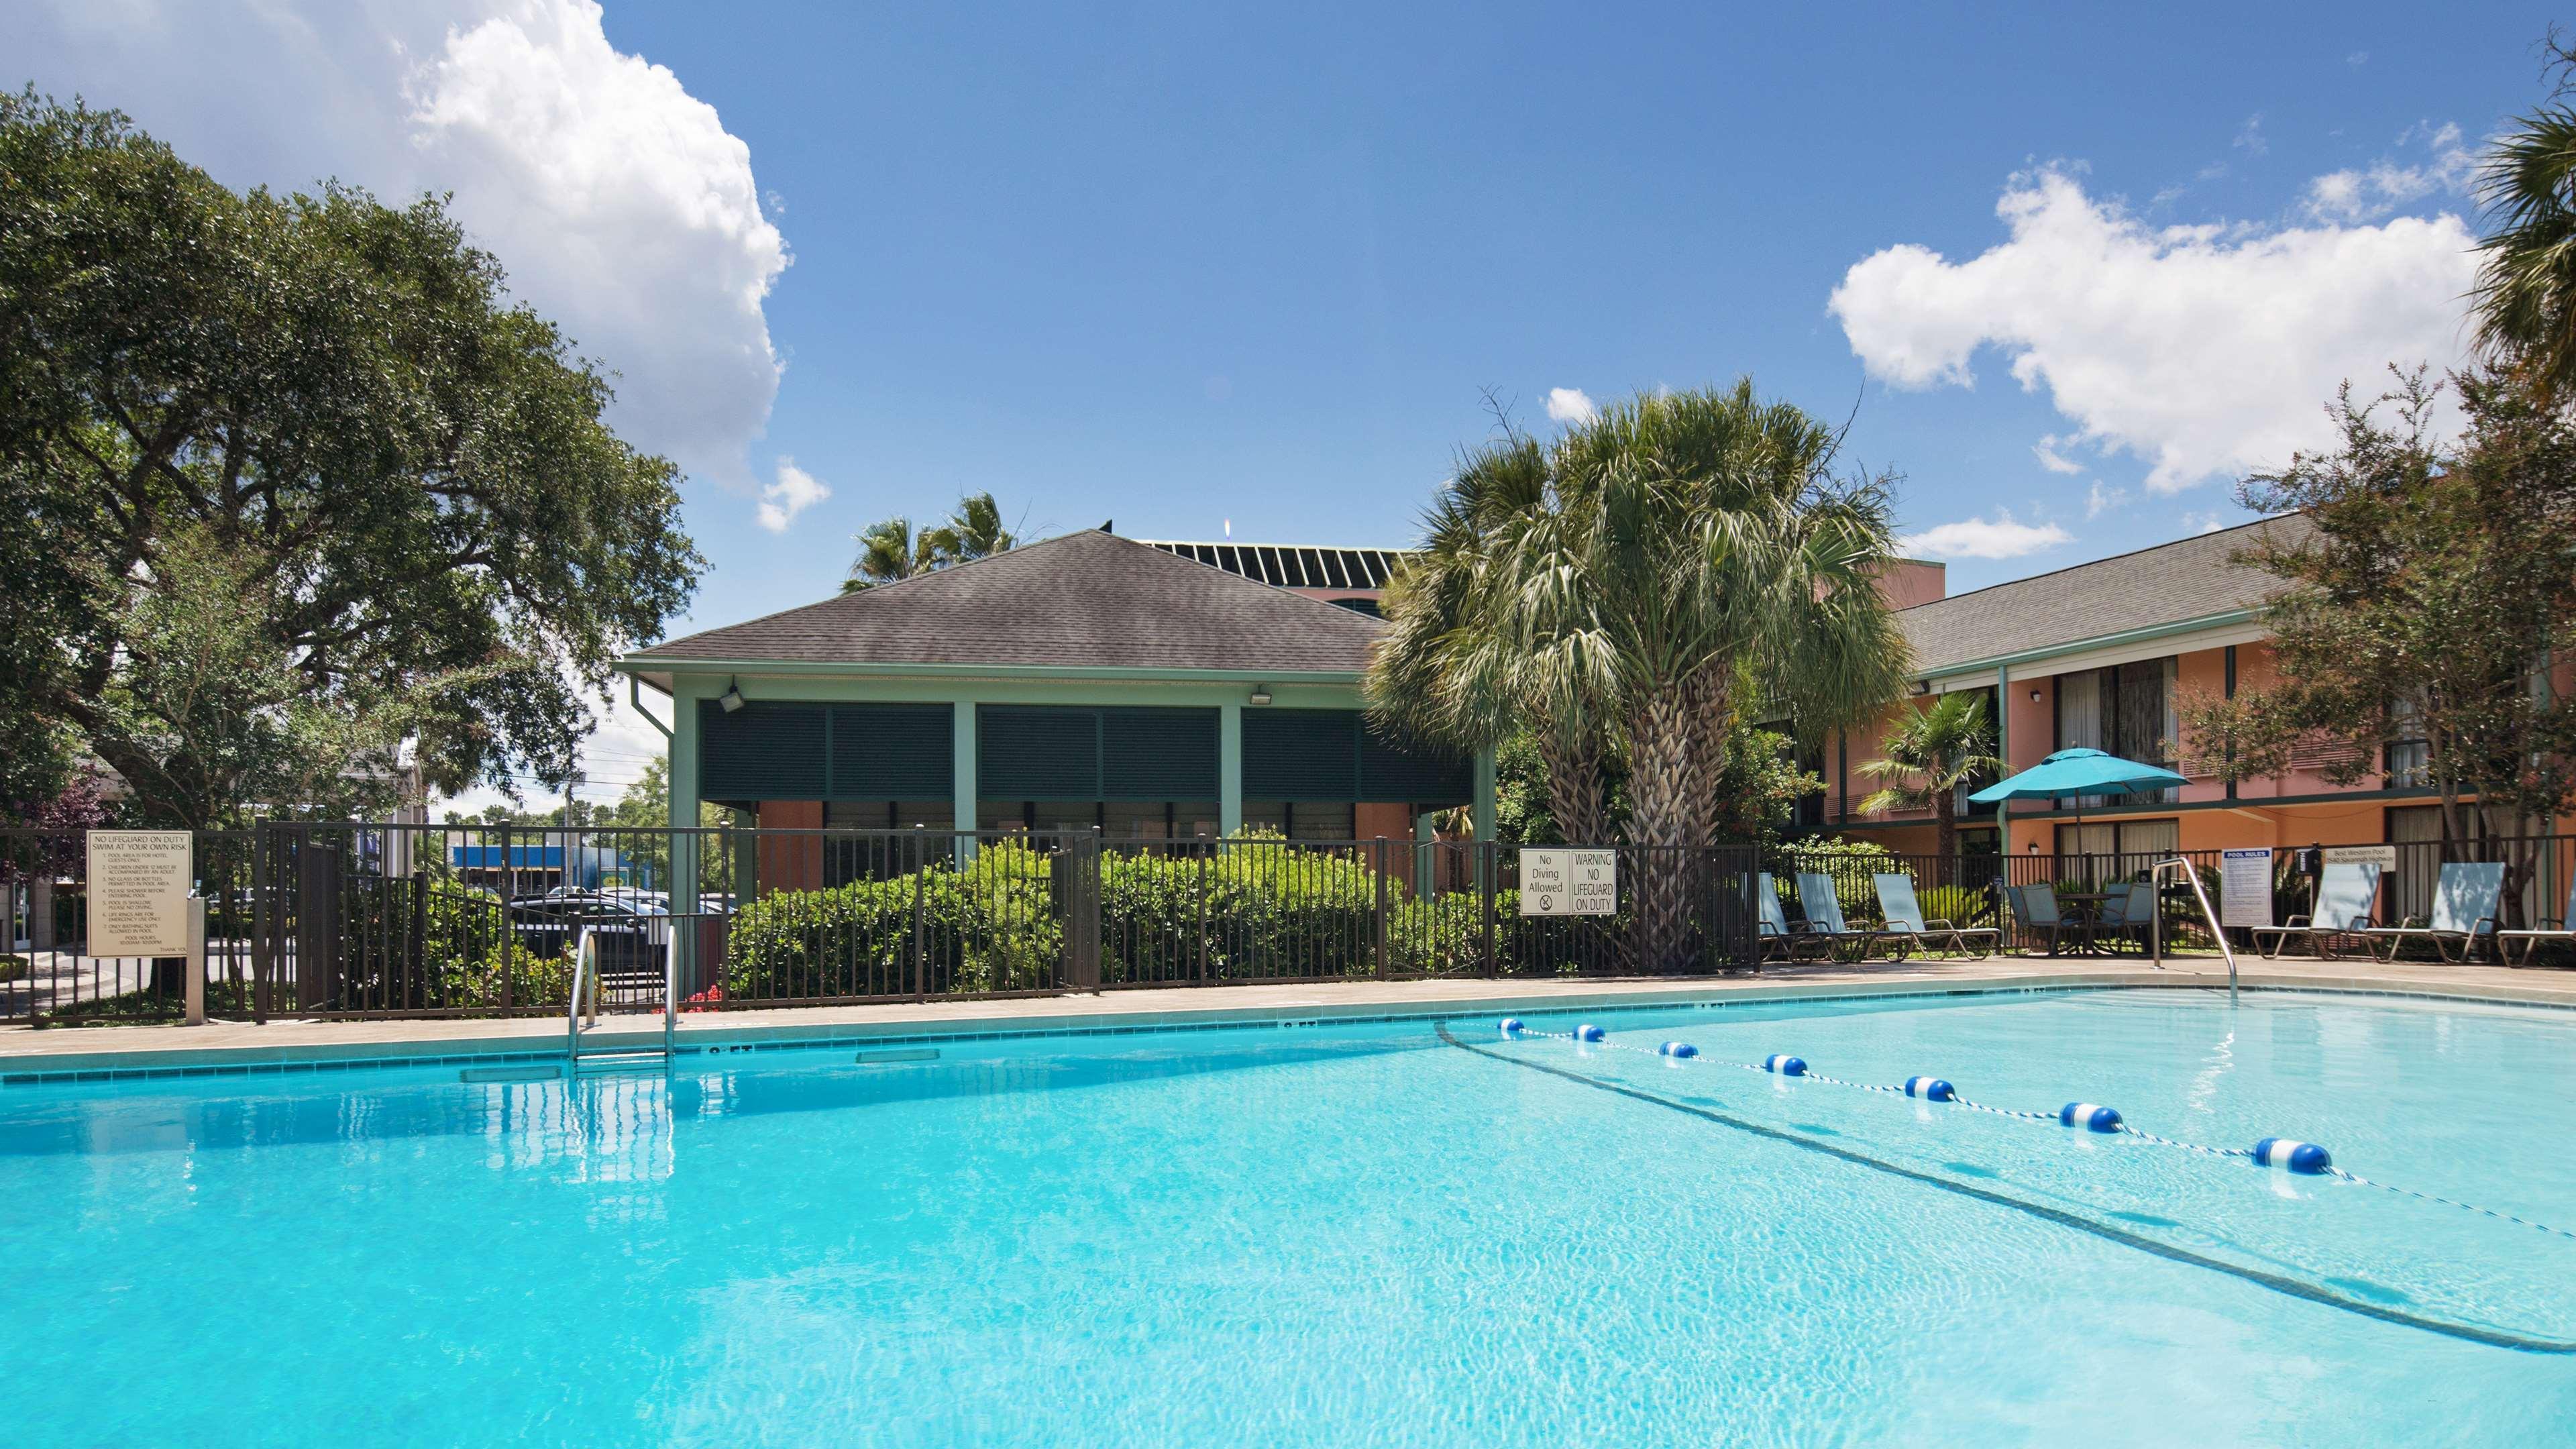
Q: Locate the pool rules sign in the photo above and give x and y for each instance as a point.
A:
(138, 892)
(1569, 882)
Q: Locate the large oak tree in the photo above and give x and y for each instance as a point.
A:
(289, 478)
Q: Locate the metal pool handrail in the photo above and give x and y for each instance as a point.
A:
(2216, 931)
(582, 956)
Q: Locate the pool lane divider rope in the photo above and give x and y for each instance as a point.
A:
(2280, 1152)
(2276, 1282)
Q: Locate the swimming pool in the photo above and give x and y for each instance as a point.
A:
(1323, 1234)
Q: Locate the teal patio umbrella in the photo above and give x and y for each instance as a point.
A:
(2077, 773)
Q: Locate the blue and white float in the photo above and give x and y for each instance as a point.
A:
(1511, 1026)
(1678, 1049)
(2089, 1116)
(1589, 1032)
(1931, 1089)
(2290, 1155)
(1787, 1066)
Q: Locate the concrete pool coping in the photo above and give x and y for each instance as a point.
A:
(31, 1056)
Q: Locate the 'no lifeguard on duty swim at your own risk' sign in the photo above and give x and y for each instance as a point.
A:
(1569, 882)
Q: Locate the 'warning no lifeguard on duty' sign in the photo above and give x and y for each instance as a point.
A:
(138, 892)
(1569, 882)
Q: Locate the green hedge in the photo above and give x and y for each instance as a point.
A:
(991, 927)
(1264, 909)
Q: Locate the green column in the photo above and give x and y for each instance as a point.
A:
(686, 848)
(2003, 752)
(962, 735)
(1484, 806)
(1425, 831)
(1229, 767)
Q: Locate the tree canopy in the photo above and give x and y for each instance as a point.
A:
(892, 549)
(1926, 756)
(1670, 572)
(2527, 278)
(294, 480)
(2424, 608)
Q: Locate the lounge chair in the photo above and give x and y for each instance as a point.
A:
(1905, 918)
(2041, 917)
(1825, 915)
(1776, 933)
(2552, 928)
(2347, 905)
(2129, 916)
(2464, 912)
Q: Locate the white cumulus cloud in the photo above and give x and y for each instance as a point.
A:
(1999, 537)
(2206, 351)
(795, 491)
(1570, 405)
(620, 205)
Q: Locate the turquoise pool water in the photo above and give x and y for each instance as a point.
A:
(1329, 1235)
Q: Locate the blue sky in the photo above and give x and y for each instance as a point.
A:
(1179, 265)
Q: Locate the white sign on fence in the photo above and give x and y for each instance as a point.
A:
(1569, 882)
(2383, 856)
(2245, 887)
(138, 892)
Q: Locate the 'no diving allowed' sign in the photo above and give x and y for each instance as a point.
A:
(1569, 882)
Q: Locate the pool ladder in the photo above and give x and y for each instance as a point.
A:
(2183, 868)
(624, 1056)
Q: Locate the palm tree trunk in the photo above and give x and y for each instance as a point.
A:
(1945, 811)
(1660, 777)
(1709, 700)
(1574, 793)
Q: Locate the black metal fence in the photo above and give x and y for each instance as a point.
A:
(381, 920)
(393, 920)
(1970, 890)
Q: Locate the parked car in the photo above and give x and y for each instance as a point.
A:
(631, 932)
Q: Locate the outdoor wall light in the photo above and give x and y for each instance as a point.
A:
(2034, 696)
(1919, 688)
(731, 699)
(1261, 694)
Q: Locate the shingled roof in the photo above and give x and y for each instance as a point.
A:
(2171, 583)
(1086, 600)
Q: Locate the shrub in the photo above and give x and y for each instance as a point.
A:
(1268, 909)
(1848, 863)
(990, 927)
(1959, 905)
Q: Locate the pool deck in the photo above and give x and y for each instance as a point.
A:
(26, 1053)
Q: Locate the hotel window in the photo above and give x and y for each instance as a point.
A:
(2122, 848)
(2125, 710)
(2410, 755)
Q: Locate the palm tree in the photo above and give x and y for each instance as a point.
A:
(1647, 582)
(2526, 292)
(1929, 755)
(1712, 549)
(1451, 668)
(890, 551)
(974, 531)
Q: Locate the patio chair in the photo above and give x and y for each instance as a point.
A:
(1905, 918)
(2128, 917)
(1779, 937)
(1825, 915)
(2347, 904)
(2464, 912)
(2041, 917)
(2552, 928)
